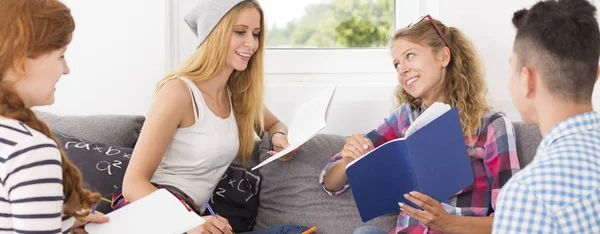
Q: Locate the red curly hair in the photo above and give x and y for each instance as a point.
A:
(29, 29)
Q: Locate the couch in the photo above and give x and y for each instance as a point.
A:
(289, 193)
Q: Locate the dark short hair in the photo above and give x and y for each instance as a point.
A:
(561, 39)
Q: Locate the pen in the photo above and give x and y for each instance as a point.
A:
(311, 230)
(94, 208)
(215, 215)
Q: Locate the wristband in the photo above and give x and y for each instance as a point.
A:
(271, 138)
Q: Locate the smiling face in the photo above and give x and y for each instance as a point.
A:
(245, 39)
(37, 85)
(420, 70)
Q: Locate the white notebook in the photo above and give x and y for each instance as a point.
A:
(308, 120)
(159, 212)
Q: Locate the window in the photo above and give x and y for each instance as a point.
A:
(347, 39)
(328, 23)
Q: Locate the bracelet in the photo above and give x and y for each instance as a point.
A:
(271, 139)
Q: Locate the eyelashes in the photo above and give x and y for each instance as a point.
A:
(244, 32)
(409, 56)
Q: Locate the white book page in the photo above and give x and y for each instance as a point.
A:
(433, 112)
(159, 212)
(308, 120)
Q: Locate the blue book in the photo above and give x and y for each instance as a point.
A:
(432, 160)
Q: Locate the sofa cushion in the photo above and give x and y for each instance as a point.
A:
(291, 194)
(528, 139)
(102, 165)
(115, 130)
(236, 197)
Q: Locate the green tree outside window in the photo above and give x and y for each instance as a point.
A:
(337, 24)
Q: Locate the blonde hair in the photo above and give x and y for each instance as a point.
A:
(464, 84)
(246, 86)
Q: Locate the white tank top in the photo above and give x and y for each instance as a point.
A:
(198, 155)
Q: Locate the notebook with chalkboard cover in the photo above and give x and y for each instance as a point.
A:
(432, 159)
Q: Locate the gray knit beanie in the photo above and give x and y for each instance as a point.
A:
(206, 15)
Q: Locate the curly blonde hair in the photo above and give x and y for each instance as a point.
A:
(464, 85)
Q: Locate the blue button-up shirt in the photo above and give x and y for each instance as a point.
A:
(559, 192)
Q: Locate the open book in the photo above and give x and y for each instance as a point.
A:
(158, 212)
(308, 120)
(431, 159)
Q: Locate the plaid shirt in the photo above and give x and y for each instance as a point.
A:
(559, 192)
(493, 156)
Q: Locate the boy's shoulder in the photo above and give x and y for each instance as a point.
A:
(560, 176)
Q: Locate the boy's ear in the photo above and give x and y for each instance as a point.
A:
(530, 81)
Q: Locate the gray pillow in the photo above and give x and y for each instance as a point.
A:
(290, 192)
(102, 166)
(528, 139)
(116, 130)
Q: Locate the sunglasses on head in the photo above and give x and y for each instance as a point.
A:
(439, 31)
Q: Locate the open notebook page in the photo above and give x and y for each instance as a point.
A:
(433, 112)
(308, 120)
(158, 212)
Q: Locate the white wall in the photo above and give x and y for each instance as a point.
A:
(118, 53)
(122, 48)
(489, 25)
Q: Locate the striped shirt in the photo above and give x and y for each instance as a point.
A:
(493, 158)
(559, 191)
(31, 198)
